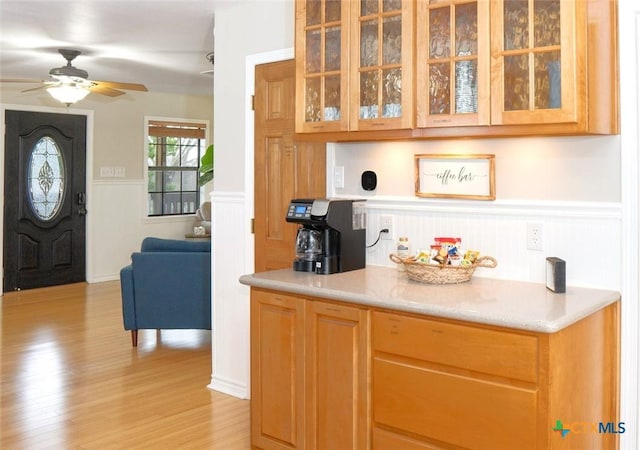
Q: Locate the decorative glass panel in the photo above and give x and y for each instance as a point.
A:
(312, 52)
(466, 86)
(332, 98)
(392, 40)
(546, 26)
(516, 83)
(391, 93)
(467, 29)
(331, 10)
(46, 178)
(516, 24)
(391, 5)
(332, 49)
(439, 89)
(369, 43)
(439, 33)
(547, 80)
(369, 95)
(312, 100)
(312, 8)
(368, 7)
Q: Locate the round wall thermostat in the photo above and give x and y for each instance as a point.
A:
(369, 180)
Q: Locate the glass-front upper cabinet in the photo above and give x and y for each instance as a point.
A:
(381, 95)
(322, 72)
(534, 57)
(452, 63)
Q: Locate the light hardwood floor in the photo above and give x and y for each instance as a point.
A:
(71, 380)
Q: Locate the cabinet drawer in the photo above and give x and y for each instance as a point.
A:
(458, 410)
(386, 440)
(494, 352)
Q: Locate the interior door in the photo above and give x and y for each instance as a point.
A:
(44, 199)
(284, 168)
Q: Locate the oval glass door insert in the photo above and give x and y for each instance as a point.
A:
(46, 178)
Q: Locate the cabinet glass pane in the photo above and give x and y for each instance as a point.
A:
(467, 29)
(439, 89)
(313, 8)
(392, 40)
(312, 100)
(369, 43)
(466, 87)
(331, 10)
(332, 98)
(391, 93)
(546, 26)
(368, 7)
(547, 80)
(516, 24)
(312, 52)
(369, 94)
(516, 83)
(439, 33)
(332, 49)
(391, 5)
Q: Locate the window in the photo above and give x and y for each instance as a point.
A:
(173, 159)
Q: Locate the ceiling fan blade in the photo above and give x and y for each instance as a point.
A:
(104, 90)
(44, 86)
(19, 80)
(118, 85)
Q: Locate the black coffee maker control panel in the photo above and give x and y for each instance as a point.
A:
(299, 209)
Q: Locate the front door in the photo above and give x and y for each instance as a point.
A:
(44, 199)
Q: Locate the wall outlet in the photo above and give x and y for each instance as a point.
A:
(534, 236)
(386, 222)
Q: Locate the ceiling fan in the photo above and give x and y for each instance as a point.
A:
(68, 84)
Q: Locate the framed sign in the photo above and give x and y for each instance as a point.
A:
(455, 176)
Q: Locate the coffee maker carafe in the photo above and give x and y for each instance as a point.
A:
(331, 236)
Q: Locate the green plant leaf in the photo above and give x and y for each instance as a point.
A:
(206, 167)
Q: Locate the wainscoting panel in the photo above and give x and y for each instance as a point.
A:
(585, 235)
(230, 299)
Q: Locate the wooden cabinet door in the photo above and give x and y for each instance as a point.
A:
(452, 63)
(337, 377)
(322, 65)
(382, 47)
(284, 169)
(535, 72)
(277, 371)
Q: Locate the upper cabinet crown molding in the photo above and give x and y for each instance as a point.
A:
(394, 69)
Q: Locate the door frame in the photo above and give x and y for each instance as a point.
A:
(88, 171)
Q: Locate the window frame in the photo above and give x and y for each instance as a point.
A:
(199, 190)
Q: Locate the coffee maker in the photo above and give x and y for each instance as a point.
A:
(332, 234)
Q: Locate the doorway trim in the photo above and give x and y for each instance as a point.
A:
(88, 169)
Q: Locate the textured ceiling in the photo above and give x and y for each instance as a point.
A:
(161, 44)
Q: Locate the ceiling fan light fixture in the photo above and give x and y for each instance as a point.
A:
(68, 94)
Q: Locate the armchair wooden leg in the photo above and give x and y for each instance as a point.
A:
(134, 338)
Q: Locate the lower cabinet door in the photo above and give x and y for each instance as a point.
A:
(277, 371)
(455, 409)
(337, 413)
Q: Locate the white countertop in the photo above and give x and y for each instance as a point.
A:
(513, 304)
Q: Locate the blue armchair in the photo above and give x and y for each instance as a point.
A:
(167, 286)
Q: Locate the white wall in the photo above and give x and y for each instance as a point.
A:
(116, 220)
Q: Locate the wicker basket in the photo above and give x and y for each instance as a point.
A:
(437, 274)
